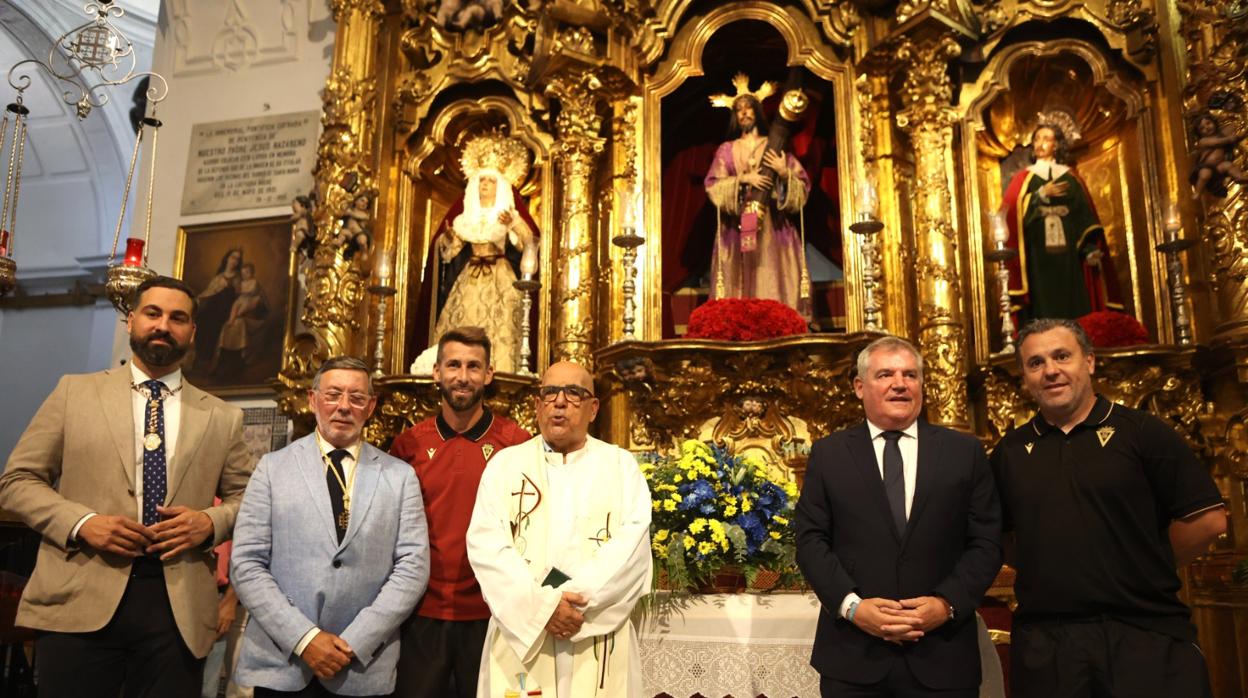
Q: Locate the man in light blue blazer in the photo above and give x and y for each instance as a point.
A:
(331, 552)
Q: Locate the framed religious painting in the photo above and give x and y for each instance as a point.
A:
(240, 272)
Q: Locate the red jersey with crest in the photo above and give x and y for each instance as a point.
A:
(449, 466)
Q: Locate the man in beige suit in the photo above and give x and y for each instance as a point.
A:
(117, 471)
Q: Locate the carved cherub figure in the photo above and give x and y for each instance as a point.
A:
(1211, 161)
(302, 233)
(468, 14)
(356, 235)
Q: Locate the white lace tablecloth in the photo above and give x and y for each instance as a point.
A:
(742, 645)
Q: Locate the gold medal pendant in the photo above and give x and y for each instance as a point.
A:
(151, 442)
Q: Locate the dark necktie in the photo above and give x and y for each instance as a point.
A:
(335, 478)
(895, 479)
(155, 477)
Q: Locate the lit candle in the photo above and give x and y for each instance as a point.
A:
(868, 200)
(1173, 221)
(1000, 231)
(134, 252)
(528, 261)
(383, 269)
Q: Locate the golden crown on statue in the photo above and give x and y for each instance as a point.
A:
(742, 82)
(494, 151)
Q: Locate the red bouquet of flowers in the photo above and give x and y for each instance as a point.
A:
(744, 320)
(1108, 328)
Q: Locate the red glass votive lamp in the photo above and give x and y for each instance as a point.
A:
(4, 243)
(134, 252)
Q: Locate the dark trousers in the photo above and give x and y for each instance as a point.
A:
(312, 690)
(1103, 658)
(899, 683)
(440, 658)
(138, 654)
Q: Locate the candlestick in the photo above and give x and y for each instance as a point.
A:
(1001, 256)
(1172, 248)
(383, 291)
(872, 276)
(527, 286)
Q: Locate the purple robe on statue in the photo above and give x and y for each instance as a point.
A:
(775, 268)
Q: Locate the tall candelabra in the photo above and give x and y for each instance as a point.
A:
(868, 226)
(383, 289)
(629, 240)
(1172, 248)
(527, 285)
(1001, 256)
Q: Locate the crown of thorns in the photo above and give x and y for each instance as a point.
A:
(742, 83)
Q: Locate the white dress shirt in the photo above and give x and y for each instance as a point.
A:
(172, 405)
(348, 476)
(908, 444)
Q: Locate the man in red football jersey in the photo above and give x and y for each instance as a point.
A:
(440, 651)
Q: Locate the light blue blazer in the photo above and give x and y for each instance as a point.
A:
(292, 574)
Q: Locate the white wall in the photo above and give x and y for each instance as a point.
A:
(223, 60)
(67, 213)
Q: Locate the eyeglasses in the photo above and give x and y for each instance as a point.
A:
(574, 394)
(356, 400)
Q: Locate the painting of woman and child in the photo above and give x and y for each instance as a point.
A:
(240, 274)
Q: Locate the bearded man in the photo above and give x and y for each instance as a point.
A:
(117, 472)
(770, 262)
(440, 650)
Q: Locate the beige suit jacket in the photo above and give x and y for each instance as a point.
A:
(78, 456)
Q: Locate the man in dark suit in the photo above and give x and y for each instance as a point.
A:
(898, 533)
(117, 472)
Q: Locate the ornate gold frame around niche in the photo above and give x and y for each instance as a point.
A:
(809, 48)
(416, 215)
(1140, 194)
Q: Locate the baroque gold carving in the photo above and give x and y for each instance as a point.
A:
(403, 401)
(373, 8)
(576, 152)
(928, 118)
(767, 389)
(1217, 43)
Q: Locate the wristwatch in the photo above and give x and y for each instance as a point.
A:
(952, 615)
(849, 612)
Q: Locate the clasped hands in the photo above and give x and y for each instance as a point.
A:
(901, 621)
(327, 654)
(568, 617)
(182, 529)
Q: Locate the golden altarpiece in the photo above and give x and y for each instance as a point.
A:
(929, 100)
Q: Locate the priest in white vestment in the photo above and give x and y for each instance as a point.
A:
(560, 543)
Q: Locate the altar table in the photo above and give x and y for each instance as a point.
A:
(745, 645)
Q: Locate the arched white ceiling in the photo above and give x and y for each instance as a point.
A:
(74, 170)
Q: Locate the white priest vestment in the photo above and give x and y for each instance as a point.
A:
(586, 514)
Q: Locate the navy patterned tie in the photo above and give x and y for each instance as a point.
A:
(895, 479)
(334, 479)
(155, 478)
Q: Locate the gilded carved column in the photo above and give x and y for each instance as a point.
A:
(576, 152)
(336, 295)
(1217, 81)
(928, 119)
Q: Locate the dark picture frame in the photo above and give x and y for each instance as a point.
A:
(240, 271)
